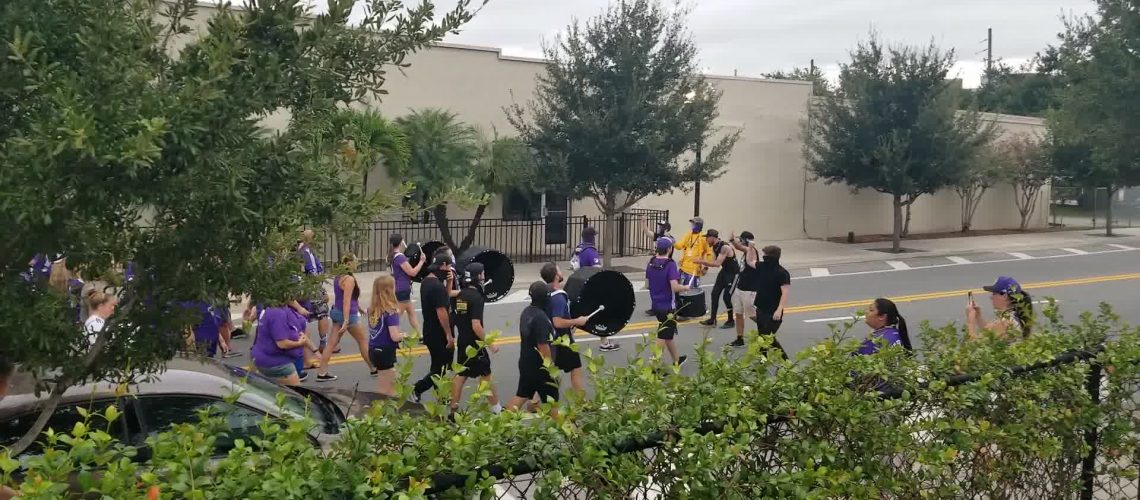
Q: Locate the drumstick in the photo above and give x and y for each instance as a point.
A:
(596, 311)
(488, 282)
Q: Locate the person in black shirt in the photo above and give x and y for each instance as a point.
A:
(472, 353)
(773, 284)
(437, 324)
(535, 332)
(724, 258)
(744, 295)
(565, 357)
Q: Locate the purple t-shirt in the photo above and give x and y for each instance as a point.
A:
(313, 265)
(338, 296)
(588, 256)
(277, 323)
(403, 281)
(659, 273)
(889, 334)
(379, 335)
(210, 324)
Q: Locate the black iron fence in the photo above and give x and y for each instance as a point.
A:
(524, 241)
(1083, 469)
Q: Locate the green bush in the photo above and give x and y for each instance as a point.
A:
(958, 422)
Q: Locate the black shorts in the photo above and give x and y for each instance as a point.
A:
(383, 358)
(476, 366)
(403, 296)
(537, 381)
(566, 359)
(666, 325)
(765, 325)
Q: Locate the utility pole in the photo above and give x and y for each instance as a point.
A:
(989, 51)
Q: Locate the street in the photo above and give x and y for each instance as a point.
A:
(925, 289)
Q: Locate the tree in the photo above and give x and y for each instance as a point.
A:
(1028, 169)
(1100, 58)
(820, 85)
(896, 129)
(1027, 91)
(986, 171)
(114, 147)
(452, 163)
(621, 107)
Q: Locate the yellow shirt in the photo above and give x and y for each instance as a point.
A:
(693, 246)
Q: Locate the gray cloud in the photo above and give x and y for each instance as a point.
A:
(757, 36)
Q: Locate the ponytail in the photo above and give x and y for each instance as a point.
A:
(904, 335)
(1022, 305)
(888, 308)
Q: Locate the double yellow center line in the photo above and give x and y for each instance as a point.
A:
(847, 304)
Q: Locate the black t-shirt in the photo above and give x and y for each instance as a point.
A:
(468, 308)
(770, 276)
(433, 295)
(730, 265)
(749, 276)
(535, 329)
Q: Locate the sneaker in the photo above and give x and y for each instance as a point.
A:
(327, 377)
(231, 354)
(681, 360)
(414, 397)
(730, 324)
(374, 373)
(336, 351)
(709, 322)
(239, 334)
(608, 347)
(650, 312)
(304, 376)
(739, 342)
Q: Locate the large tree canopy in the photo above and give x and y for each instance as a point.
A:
(621, 106)
(1098, 120)
(114, 148)
(896, 129)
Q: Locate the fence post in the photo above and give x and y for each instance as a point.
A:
(621, 234)
(533, 250)
(1088, 465)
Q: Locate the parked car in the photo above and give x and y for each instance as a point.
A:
(175, 397)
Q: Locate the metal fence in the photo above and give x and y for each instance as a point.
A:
(1090, 207)
(1094, 473)
(524, 241)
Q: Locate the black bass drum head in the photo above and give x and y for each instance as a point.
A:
(591, 287)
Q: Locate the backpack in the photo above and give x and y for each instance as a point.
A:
(575, 260)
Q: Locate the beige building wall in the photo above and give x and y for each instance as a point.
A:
(764, 189)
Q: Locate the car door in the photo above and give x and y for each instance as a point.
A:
(63, 419)
(160, 413)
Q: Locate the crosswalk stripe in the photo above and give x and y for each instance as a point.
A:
(959, 260)
(1020, 255)
(1075, 251)
(898, 265)
(1122, 247)
(820, 271)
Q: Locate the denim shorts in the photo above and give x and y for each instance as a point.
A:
(279, 371)
(403, 296)
(337, 316)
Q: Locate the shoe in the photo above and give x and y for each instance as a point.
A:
(414, 397)
(337, 351)
(240, 334)
(709, 322)
(730, 324)
(304, 376)
(328, 377)
(739, 342)
(608, 347)
(681, 360)
(374, 373)
(650, 312)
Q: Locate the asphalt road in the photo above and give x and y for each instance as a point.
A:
(936, 294)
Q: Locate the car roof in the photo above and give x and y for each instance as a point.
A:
(189, 376)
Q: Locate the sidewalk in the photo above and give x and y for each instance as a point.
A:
(804, 257)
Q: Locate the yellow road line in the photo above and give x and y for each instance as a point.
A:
(647, 325)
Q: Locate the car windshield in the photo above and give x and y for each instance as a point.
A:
(262, 393)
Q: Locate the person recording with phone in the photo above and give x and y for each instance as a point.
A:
(1013, 308)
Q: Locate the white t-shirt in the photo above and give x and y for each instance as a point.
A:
(93, 326)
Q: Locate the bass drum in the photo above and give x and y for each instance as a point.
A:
(417, 251)
(591, 287)
(691, 304)
(497, 268)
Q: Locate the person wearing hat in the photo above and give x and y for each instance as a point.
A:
(744, 295)
(535, 334)
(725, 259)
(472, 342)
(1013, 307)
(663, 280)
(695, 248)
(437, 335)
(586, 253)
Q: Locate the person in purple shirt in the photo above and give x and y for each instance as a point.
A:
(586, 253)
(403, 272)
(663, 280)
(318, 306)
(384, 334)
(345, 316)
(889, 328)
(279, 342)
(39, 268)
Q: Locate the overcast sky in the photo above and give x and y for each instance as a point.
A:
(758, 36)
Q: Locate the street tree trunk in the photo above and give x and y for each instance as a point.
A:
(441, 222)
(1108, 211)
(896, 240)
(906, 221)
(470, 237)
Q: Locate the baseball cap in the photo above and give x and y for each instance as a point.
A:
(664, 243)
(747, 235)
(441, 259)
(473, 269)
(713, 233)
(1004, 285)
(697, 220)
(538, 291)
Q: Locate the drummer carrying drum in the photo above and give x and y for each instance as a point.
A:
(663, 279)
(565, 357)
(695, 248)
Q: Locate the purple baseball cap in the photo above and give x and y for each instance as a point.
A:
(664, 243)
(1004, 285)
